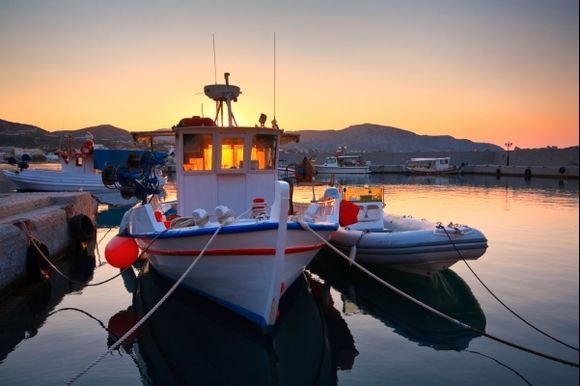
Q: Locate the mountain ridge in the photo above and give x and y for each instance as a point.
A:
(372, 137)
(364, 137)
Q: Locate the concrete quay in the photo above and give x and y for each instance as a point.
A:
(498, 170)
(524, 171)
(49, 217)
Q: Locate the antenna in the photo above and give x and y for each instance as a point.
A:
(214, 65)
(274, 122)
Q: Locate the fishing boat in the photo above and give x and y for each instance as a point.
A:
(228, 188)
(432, 166)
(343, 163)
(80, 169)
(400, 241)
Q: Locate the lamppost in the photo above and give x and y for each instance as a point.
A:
(508, 145)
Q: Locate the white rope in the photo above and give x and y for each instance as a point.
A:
(305, 226)
(142, 320)
(159, 303)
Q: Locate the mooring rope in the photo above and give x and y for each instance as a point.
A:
(82, 312)
(440, 226)
(305, 226)
(501, 364)
(151, 311)
(99, 243)
(35, 242)
(130, 353)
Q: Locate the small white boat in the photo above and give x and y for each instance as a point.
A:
(432, 166)
(80, 170)
(401, 242)
(343, 164)
(227, 182)
(51, 157)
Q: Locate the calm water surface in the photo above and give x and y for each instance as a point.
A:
(336, 326)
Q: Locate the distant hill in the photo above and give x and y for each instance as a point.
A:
(28, 136)
(22, 135)
(369, 137)
(358, 138)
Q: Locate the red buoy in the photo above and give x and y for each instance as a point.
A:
(120, 324)
(121, 251)
(348, 213)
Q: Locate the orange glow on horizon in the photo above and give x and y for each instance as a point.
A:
(474, 71)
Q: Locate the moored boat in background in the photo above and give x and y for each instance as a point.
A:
(80, 169)
(432, 166)
(343, 163)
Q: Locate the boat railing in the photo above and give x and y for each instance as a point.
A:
(321, 210)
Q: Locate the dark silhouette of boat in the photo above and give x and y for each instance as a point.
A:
(192, 340)
(445, 291)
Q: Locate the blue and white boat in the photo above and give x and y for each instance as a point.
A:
(226, 178)
(400, 241)
(80, 169)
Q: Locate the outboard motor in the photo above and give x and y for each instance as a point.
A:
(137, 177)
(22, 164)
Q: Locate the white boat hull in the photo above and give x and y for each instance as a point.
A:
(57, 181)
(426, 171)
(234, 276)
(412, 245)
(322, 169)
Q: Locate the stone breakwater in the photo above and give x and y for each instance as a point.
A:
(46, 216)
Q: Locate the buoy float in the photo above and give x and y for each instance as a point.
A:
(121, 251)
(120, 324)
(348, 213)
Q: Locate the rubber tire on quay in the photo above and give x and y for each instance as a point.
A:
(81, 227)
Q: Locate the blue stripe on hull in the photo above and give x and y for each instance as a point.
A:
(231, 229)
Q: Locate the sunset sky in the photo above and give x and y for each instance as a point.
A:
(485, 70)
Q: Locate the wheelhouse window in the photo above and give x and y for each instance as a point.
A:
(197, 152)
(263, 152)
(232, 153)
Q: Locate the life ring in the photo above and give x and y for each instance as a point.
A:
(527, 173)
(81, 227)
(562, 170)
(88, 147)
(37, 268)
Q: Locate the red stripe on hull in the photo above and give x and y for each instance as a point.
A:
(235, 252)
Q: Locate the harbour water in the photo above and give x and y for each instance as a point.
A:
(336, 326)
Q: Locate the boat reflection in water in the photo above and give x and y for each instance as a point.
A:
(26, 306)
(444, 291)
(191, 340)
